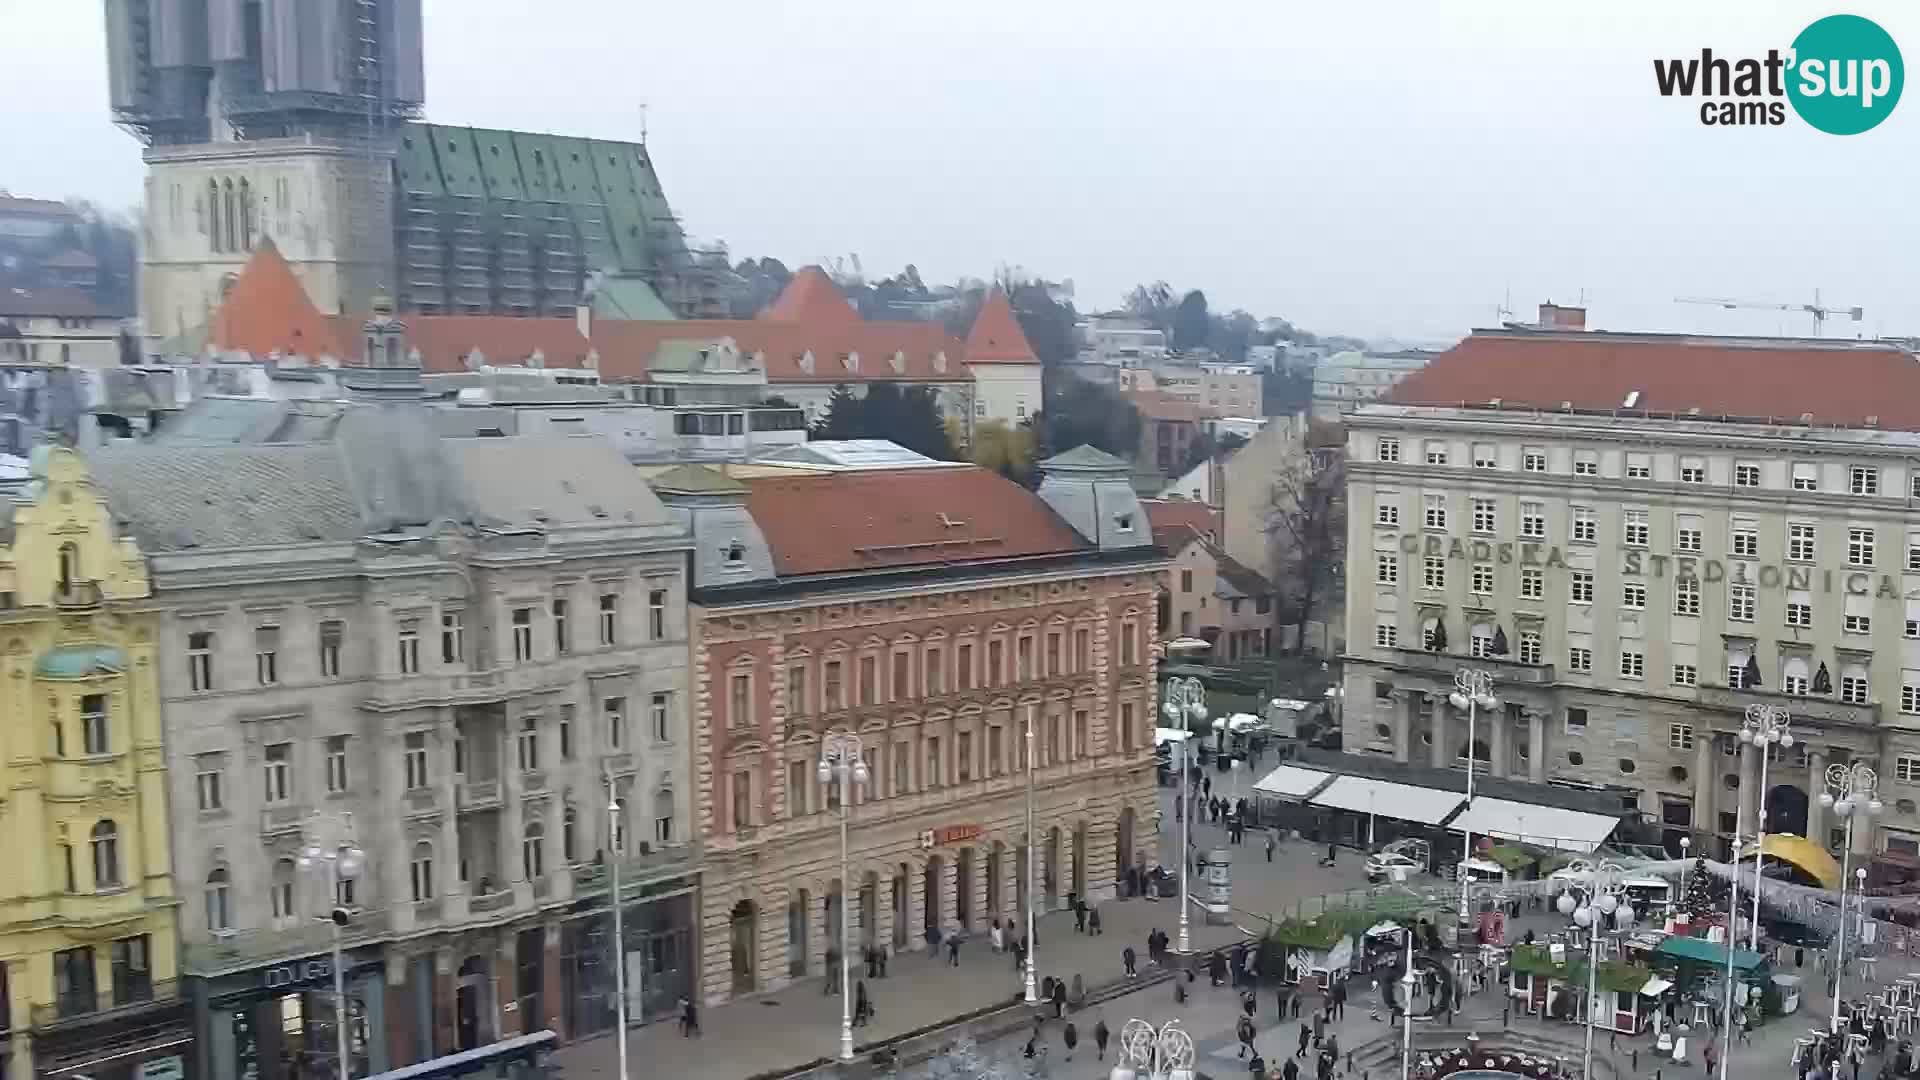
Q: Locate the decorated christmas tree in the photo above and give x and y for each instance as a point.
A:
(1706, 895)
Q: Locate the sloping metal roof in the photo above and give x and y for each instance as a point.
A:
(1542, 826)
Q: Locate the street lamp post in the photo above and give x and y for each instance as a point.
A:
(1472, 691)
(1850, 794)
(1764, 728)
(1606, 895)
(330, 848)
(1150, 1053)
(841, 760)
(1186, 702)
(617, 840)
(1406, 1010)
(1733, 920)
(1033, 869)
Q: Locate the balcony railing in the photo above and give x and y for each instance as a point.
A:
(77, 595)
(1826, 709)
(102, 1007)
(479, 794)
(250, 948)
(1445, 664)
(460, 687)
(487, 903)
(276, 820)
(634, 869)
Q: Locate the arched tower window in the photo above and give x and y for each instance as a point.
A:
(213, 214)
(230, 214)
(246, 215)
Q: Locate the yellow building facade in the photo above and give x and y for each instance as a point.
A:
(87, 900)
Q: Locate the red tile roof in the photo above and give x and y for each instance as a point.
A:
(996, 337)
(445, 340)
(626, 348)
(267, 311)
(1168, 515)
(1841, 384)
(811, 298)
(838, 522)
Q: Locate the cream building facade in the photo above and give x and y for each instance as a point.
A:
(1634, 581)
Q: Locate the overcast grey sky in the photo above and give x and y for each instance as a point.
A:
(1359, 167)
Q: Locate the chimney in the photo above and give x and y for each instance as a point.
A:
(1557, 317)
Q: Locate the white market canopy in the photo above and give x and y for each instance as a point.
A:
(1541, 826)
(1291, 782)
(1170, 734)
(1387, 799)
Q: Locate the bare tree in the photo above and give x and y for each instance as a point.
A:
(1307, 530)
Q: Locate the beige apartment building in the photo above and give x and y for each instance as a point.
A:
(1639, 536)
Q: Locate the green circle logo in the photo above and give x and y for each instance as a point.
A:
(1846, 76)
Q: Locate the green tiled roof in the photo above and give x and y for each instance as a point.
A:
(81, 661)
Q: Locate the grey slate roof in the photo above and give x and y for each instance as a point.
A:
(1084, 457)
(186, 498)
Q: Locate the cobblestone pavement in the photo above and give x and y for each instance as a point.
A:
(801, 1022)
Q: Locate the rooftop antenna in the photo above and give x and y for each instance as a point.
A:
(1503, 312)
(643, 123)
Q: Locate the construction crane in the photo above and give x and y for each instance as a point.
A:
(1820, 312)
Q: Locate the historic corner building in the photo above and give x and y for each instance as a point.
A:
(935, 611)
(87, 946)
(441, 648)
(1639, 536)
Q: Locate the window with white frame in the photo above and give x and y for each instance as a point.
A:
(1679, 736)
(1485, 456)
(1634, 527)
(1483, 578)
(1386, 568)
(1530, 646)
(1533, 583)
(1853, 688)
(1435, 575)
(1743, 540)
(1633, 664)
(1586, 463)
(1906, 769)
(1913, 485)
(1585, 528)
(1436, 507)
(1533, 459)
(1579, 658)
(1686, 596)
(1859, 546)
(1387, 513)
(1484, 516)
(1801, 541)
(414, 757)
(1686, 675)
(1746, 474)
(1799, 611)
(1913, 553)
(1740, 602)
(1793, 676)
(1436, 452)
(1386, 448)
(1639, 467)
(1863, 479)
(1806, 476)
(1687, 535)
(1693, 470)
(1910, 699)
(1857, 623)
(1633, 595)
(1386, 635)
(1533, 520)
(1580, 586)
(1480, 641)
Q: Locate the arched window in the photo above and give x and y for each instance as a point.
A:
(282, 890)
(69, 566)
(421, 871)
(663, 816)
(1482, 642)
(569, 841)
(213, 214)
(229, 219)
(218, 897)
(246, 216)
(106, 855)
(531, 850)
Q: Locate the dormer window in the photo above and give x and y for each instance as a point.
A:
(940, 363)
(1123, 522)
(736, 553)
(850, 361)
(806, 362)
(899, 362)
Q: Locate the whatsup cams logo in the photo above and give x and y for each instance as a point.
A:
(1842, 75)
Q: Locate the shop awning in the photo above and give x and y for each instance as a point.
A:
(1427, 806)
(1655, 987)
(1700, 950)
(1802, 853)
(1542, 826)
(1170, 734)
(1292, 782)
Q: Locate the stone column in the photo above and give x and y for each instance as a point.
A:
(1749, 785)
(1442, 757)
(506, 954)
(1536, 747)
(1703, 813)
(1816, 783)
(1405, 704)
(1500, 723)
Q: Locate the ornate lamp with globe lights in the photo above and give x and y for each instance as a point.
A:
(1850, 794)
(1149, 1053)
(1764, 728)
(1472, 691)
(332, 855)
(842, 762)
(1606, 894)
(1185, 705)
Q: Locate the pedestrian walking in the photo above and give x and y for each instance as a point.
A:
(831, 985)
(1706, 1053)
(1269, 847)
(1279, 1004)
(1257, 1066)
(1059, 998)
(1244, 1031)
(1305, 1034)
(1093, 921)
(1293, 1006)
(1290, 1071)
(1071, 1036)
(689, 1019)
(953, 948)
(1127, 958)
(1319, 1025)
(1247, 1003)
(862, 1006)
(1100, 1036)
(881, 951)
(1079, 915)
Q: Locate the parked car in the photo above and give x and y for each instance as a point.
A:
(1391, 866)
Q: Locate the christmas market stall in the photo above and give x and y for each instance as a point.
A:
(1551, 980)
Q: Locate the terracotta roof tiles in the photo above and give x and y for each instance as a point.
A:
(1839, 384)
(811, 298)
(841, 522)
(996, 337)
(267, 311)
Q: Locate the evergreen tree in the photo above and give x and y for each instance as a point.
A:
(842, 420)
(1706, 894)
